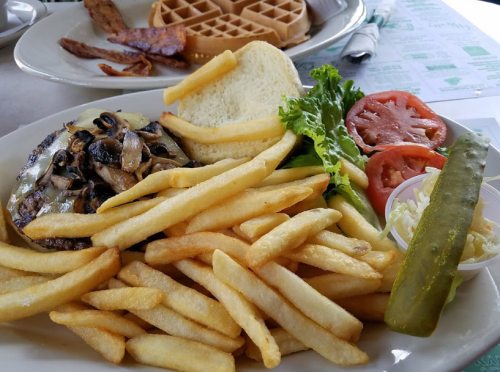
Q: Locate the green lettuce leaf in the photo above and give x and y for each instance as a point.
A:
(320, 118)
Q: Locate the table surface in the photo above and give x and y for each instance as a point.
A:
(25, 98)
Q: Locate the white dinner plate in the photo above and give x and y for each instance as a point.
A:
(23, 15)
(38, 51)
(468, 328)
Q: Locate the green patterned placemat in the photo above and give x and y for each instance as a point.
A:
(490, 362)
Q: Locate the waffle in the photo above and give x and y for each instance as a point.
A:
(172, 12)
(234, 6)
(288, 17)
(213, 26)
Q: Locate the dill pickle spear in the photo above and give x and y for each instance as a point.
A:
(424, 281)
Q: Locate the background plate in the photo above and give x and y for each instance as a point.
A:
(29, 12)
(469, 326)
(38, 51)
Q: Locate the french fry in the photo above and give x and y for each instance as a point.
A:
(170, 192)
(4, 235)
(318, 183)
(389, 275)
(131, 256)
(180, 177)
(182, 355)
(290, 318)
(305, 205)
(70, 286)
(312, 303)
(21, 282)
(355, 174)
(188, 177)
(308, 271)
(378, 260)
(250, 205)
(252, 130)
(177, 325)
(335, 286)
(334, 228)
(106, 320)
(243, 312)
(7, 273)
(216, 67)
(124, 298)
(169, 270)
(286, 343)
(258, 226)
(152, 184)
(231, 234)
(169, 250)
(291, 174)
(49, 263)
(138, 321)
(368, 308)
(184, 300)
(355, 226)
(178, 229)
(198, 198)
(205, 258)
(290, 234)
(110, 345)
(350, 246)
(333, 260)
(78, 225)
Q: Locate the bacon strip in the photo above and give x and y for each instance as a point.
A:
(107, 16)
(86, 51)
(165, 41)
(142, 68)
(169, 61)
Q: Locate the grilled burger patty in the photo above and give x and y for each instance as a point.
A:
(77, 168)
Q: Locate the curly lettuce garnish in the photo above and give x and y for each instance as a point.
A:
(319, 116)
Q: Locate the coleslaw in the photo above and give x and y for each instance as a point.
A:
(482, 243)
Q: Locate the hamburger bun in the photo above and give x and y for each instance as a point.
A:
(252, 90)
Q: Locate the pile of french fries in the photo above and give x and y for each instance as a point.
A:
(254, 262)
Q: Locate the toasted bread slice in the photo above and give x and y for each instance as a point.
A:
(253, 89)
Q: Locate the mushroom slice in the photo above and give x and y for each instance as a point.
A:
(80, 140)
(77, 166)
(117, 179)
(132, 151)
(59, 157)
(151, 131)
(140, 172)
(107, 151)
(160, 164)
(75, 128)
(61, 182)
(120, 125)
(160, 149)
(113, 124)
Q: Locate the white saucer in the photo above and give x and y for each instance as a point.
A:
(22, 15)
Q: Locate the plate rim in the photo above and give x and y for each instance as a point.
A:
(139, 83)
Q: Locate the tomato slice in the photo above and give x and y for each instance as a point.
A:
(386, 170)
(382, 119)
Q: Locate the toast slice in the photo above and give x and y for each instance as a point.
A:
(252, 90)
